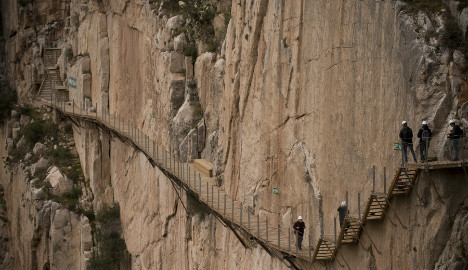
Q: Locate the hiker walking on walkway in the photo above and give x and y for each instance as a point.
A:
(299, 227)
(406, 136)
(455, 135)
(342, 212)
(424, 135)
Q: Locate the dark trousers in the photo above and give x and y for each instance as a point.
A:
(423, 150)
(405, 154)
(299, 241)
(455, 148)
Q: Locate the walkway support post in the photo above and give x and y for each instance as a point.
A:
(359, 206)
(266, 230)
(373, 179)
(385, 180)
(224, 205)
(279, 243)
(334, 223)
(248, 220)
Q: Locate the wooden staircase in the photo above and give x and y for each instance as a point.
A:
(52, 86)
(403, 182)
(350, 231)
(325, 250)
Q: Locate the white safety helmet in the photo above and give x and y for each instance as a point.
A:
(452, 121)
(300, 217)
(403, 123)
(343, 203)
(424, 123)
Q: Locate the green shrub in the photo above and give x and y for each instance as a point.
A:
(68, 129)
(431, 6)
(452, 36)
(61, 156)
(7, 101)
(70, 199)
(111, 246)
(39, 131)
(27, 109)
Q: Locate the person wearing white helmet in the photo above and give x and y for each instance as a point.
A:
(424, 135)
(406, 136)
(455, 135)
(342, 212)
(299, 227)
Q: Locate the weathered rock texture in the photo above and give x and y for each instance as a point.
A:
(303, 96)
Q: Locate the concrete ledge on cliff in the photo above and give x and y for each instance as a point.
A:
(204, 166)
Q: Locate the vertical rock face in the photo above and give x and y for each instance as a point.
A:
(303, 96)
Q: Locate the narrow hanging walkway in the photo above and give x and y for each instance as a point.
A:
(198, 181)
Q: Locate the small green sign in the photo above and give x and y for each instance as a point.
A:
(152, 115)
(397, 146)
(275, 191)
(72, 81)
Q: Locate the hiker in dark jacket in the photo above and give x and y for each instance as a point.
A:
(406, 136)
(424, 135)
(299, 227)
(455, 135)
(342, 212)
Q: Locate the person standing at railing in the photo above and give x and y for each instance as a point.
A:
(406, 136)
(342, 212)
(424, 135)
(455, 135)
(299, 227)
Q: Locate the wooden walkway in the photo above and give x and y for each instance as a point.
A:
(238, 216)
(233, 213)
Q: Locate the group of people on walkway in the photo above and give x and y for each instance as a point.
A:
(425, 135)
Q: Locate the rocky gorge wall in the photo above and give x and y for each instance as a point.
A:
(303, 96)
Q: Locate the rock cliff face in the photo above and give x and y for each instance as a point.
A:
(303, 96)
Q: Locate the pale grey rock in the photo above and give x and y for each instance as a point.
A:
(39, 148)
(177, 62)
(24, 120)
(9, 144)
(27, 156)
(38, 194)
(21, 142)
(15, 132)
(14, 115)
(41, 164)
(92, 110)
(459, 58)
(59, 182)
(179, 42)
(85, 65)
(175, 22)
(177, 94)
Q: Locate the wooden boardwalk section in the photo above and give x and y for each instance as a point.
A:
(197, 180)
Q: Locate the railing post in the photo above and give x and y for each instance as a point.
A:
(334, 223)
(279, 243)
(73, 107)
(212, 196)
(81, 109)
(240, 222)
(207, 195)
(157, 153)
(96, 112)
(310, 249)
(258, 225)
(188, 173)
(224, 205)
(248, 220)
(359, 205)
(114, 120)
(199, 177)
(194, 175)
(266, 230)
(373, 179)
(154, 155)
(218, 202)
(289, 240)
(385, 180)
(232, 210)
